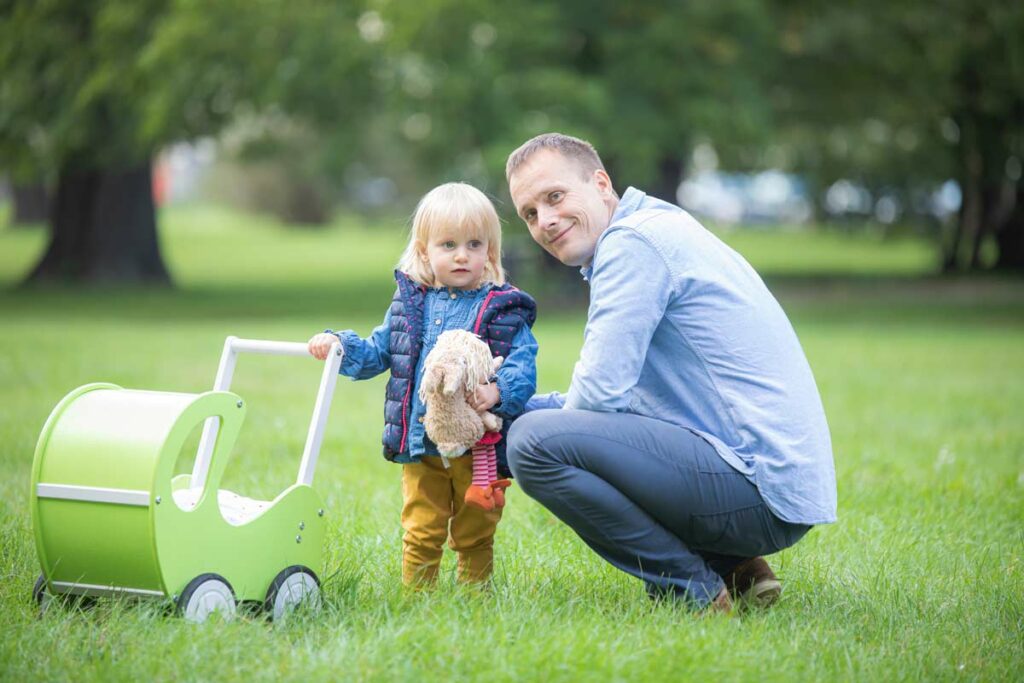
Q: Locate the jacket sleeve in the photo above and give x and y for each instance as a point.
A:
(630, 289)
(517, 376)
(366, 358)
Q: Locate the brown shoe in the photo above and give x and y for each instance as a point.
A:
(754, 582)
(722, 604)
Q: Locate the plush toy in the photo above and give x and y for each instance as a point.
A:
(458, 363)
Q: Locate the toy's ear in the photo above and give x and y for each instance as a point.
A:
(452, 381)
(432, 379)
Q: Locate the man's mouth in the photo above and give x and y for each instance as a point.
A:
(559, 236)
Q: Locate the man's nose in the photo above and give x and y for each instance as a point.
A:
(547, 217)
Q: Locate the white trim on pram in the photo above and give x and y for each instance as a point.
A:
(225, 372)
(67, 587)
(93, 494)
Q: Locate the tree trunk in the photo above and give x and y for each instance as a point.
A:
(103, 229)
(31, 203)
(666, 185)
(1010, 237)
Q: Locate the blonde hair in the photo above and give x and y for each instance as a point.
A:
(457, 206)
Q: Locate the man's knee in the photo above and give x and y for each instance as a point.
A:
(525, 449)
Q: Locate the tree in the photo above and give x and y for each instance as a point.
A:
(907, 95)
(93, 88)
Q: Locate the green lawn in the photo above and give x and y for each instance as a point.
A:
(922, 577)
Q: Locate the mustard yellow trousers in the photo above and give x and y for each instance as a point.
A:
(433, 512)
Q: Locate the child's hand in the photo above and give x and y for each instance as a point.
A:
(320, 345)
(484, 397)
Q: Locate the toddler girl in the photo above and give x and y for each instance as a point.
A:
(450, 277)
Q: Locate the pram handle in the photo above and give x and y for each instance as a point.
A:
(232, 347)
(273, 348)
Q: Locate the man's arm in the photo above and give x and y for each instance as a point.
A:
(630, 288)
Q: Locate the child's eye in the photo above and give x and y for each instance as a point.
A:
(475, 244)
(450, 244)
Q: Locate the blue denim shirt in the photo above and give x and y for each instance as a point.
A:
(444, 309)
(680, 328)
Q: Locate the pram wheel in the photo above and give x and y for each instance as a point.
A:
(293, 587)
(204, 595)
(41, 595)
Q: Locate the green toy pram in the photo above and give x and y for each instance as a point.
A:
(110, 517)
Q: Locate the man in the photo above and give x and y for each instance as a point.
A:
(692, 440)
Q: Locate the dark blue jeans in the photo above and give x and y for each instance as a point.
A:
(653, 499)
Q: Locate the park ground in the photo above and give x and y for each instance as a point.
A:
(922, 578)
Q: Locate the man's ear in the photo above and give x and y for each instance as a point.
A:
(603, 182)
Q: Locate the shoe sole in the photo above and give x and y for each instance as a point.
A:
(762, 594)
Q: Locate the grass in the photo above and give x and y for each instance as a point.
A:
(922, 577)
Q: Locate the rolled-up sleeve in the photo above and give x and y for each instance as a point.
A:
(630, 288)
(517, 376)
(366, 358)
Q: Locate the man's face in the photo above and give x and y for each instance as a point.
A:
(565, 212)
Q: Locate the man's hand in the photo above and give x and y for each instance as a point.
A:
(320, 345)
(484, 397)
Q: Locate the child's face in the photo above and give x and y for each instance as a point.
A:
(457, 261)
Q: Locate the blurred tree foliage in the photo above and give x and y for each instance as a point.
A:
(902, 96)
(92, 88)
(896, 96)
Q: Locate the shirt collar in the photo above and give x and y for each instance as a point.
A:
(628, 203)
(448, 291)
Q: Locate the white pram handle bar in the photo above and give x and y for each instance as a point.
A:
(273, 348)
(232, 347)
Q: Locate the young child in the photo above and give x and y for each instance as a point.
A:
(450, 277)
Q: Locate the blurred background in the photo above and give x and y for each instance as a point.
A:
(878, 138)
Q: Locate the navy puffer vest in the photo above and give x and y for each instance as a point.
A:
(504, 311)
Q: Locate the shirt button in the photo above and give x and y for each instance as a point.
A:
(452, 295)
(420, 420)
(437, 322)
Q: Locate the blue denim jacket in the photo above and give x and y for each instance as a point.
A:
(680, 328)
(443, 309)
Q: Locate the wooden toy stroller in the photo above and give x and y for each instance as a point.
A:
(110, 518)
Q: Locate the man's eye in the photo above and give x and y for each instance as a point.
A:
(530, 215)
(556, 197)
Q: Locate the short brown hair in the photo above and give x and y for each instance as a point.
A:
(580, 151)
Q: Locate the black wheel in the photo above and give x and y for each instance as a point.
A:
(45, 598)
(41, 595)
(204, 595)
(293, 587)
